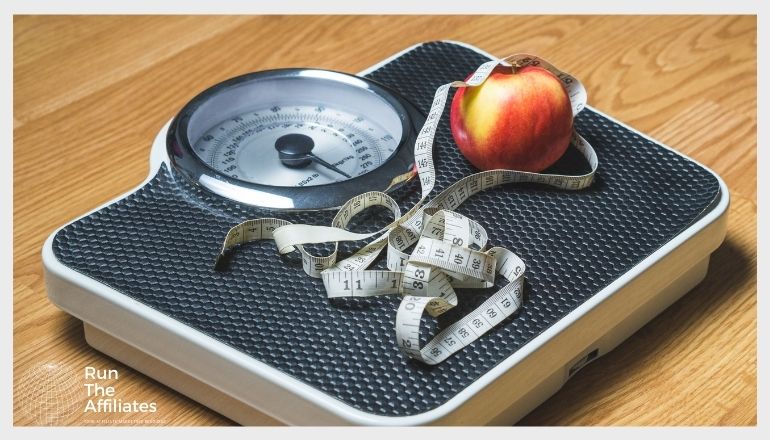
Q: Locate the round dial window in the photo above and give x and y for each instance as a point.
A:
(294, 138)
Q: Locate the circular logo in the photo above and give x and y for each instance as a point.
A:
(50, 393)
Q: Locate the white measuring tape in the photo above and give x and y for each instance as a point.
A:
(448, 247)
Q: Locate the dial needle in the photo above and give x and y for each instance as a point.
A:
(320, 161)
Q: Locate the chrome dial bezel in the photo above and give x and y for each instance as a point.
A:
(327, 196)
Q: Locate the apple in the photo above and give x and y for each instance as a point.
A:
(518, 119)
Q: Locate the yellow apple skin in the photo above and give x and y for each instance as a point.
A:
(518, 120)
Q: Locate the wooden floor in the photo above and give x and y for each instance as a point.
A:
(90, 93)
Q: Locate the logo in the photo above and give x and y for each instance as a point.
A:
(50, 393)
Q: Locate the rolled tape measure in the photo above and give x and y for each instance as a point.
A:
(448, 248)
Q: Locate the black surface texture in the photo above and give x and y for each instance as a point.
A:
(158, 245)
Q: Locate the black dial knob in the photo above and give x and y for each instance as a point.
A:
(294, 150)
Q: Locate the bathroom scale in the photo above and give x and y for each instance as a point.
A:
(246, 332)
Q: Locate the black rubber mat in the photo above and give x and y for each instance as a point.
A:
(157, 246)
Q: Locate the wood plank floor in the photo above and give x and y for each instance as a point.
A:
(90, 93)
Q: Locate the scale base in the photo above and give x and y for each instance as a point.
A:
(603, 263)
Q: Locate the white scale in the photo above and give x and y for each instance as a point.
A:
(271, 157)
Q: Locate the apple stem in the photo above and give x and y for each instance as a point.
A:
(516, 66)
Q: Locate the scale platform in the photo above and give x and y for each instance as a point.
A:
(261, 343)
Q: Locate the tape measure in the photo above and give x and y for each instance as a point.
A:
(448, 248)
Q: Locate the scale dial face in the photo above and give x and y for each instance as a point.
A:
(244, 147)
(294, 139)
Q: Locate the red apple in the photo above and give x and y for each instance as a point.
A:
(518, 119)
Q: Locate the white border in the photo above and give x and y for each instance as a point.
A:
(304, 391)
(389, 7)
